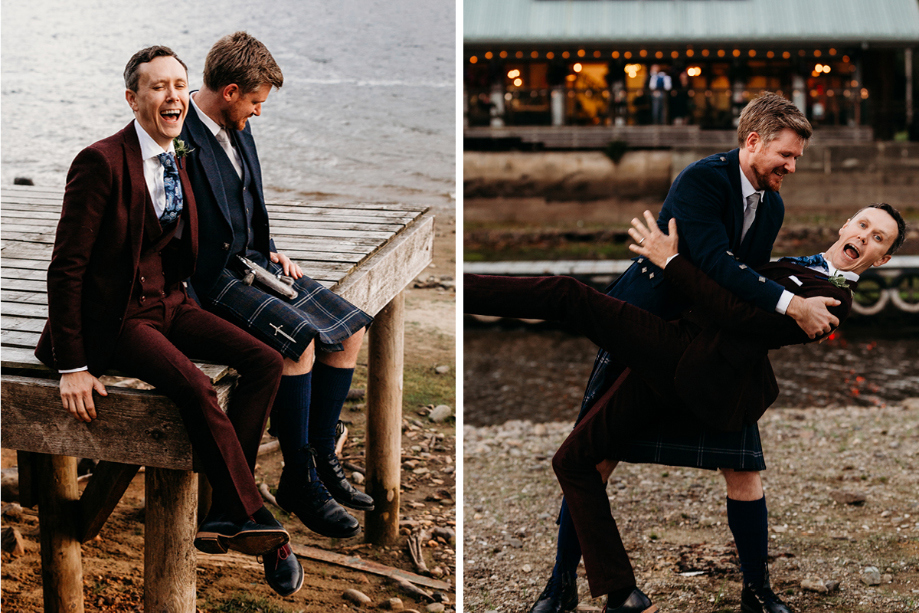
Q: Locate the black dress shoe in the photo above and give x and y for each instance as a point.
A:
(561, 594)
(761, 598)
(253, 535)
(333, 477)
(311, 502)
(637, 602)
(282, 571)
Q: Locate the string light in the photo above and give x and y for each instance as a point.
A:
(577, 67)
(489, 55)
(473, 59)
(694, 71)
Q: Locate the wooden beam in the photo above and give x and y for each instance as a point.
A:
(106, 486)
(170, 560)
(61, 561)
(384, 421)
(388, 271)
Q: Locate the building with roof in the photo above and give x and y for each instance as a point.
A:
(691, 63)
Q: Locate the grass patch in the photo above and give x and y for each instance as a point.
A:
(422, 386)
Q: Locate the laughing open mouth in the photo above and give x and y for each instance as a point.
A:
(171, 115)
(851, 251)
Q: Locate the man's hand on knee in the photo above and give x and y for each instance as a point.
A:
(77, 394)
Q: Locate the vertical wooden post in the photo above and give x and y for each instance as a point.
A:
(55, 486)
(384, 420)
(169, 553)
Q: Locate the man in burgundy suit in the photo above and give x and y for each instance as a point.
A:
(127, 238)
(708, 369)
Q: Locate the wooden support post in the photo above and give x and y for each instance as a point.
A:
(384, 420)
(169, 554)
(58, 520)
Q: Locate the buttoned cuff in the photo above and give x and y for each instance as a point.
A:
(72, 370)
(784, 301)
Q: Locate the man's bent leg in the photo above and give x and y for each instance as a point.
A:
(143, 351)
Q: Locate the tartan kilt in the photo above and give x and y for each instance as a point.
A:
(741, 450)
(287, 325)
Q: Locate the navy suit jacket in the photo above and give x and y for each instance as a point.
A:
(97, 252)
(214, 211)
(706, 201)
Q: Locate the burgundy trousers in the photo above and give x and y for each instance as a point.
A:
(641, 400)
(157, 344)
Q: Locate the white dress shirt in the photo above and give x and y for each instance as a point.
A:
(222, 136)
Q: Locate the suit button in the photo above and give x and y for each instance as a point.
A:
(244, 189)
(162, 293)
(143, 299)
(143, 279)
(226, 246)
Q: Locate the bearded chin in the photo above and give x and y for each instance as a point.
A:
(765, 181)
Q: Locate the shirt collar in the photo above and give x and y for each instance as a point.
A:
(746, 188)
(149, 148)
(212, 125)
(847, 274)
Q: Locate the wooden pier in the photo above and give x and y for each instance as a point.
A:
(366, 252)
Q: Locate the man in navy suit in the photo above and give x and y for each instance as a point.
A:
(707, 369)
(316, 326)
(729, 212)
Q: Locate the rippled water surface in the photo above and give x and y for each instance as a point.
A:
(366, 112)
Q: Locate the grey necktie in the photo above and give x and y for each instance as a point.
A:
(749, 214)
(224, 139)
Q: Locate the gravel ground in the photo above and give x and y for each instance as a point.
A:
(674, 523)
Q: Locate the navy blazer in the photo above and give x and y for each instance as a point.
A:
(706, 201)
(216, 230)
(97, 251)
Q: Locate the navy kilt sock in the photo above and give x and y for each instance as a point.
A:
(749, 523)
(568, 549)
(330, 390)
(290, 418)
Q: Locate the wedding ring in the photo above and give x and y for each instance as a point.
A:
(642, 240)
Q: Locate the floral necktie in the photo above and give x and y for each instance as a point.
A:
(173, 190)
(809, 261)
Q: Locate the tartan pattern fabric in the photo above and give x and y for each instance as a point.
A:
(173, 189)
(741, 450)
(288, 325)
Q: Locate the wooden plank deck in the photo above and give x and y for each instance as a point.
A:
(366, 252)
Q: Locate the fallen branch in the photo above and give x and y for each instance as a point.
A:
(269, 447)
(353, 562)
(341, 440)
(354, 468)
(266, 494)
(414, 549)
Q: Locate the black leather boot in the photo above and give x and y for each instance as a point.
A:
(307, 498)
(333, 477)
(561, 594)
(637, 602)
(761, 598)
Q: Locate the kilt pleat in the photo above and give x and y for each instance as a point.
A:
(742, 450)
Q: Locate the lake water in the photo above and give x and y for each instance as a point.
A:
(367, 111)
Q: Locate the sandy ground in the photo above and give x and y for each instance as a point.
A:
(674, 524)
(850, 424)
(113, 563)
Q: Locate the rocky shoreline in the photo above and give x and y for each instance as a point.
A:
(843, 497)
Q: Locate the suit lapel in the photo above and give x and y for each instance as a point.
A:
(192, 228)
(201, 139)
(247, 150)
(736, 197)
(137, 206)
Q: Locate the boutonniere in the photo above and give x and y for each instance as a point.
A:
(839, 281)
(181, 148)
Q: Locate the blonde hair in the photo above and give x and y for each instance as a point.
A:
(768, 115)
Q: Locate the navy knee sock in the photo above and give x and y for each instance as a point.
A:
(568, 551)
(290, 416)
(330, 390)
(749, 524)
